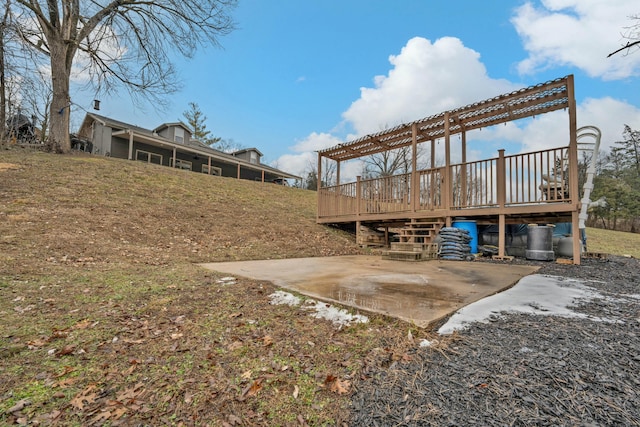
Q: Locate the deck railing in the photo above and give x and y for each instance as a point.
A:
(531, 178)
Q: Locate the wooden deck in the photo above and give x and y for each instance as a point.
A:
(540, 186)
(506, 184)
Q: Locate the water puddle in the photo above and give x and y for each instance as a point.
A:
(418, 292)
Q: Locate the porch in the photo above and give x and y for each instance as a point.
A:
(534, 187)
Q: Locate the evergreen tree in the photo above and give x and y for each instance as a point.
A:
(196, 120)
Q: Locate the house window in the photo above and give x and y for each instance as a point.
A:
(145, 156)
(178, 135)
(253, 157)
(183, 164)
(214, 170)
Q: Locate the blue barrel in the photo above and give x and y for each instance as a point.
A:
(472, 228)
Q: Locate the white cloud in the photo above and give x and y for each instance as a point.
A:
(316, 141)
(607, 114)
(426, 78)
(305, 158)
(578, 33)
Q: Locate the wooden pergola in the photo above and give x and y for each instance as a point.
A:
(500, 190)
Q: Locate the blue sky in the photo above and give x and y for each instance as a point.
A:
(297, 76)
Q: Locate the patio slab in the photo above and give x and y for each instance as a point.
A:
(417, 292)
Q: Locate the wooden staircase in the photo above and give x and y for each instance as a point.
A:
(415, 241)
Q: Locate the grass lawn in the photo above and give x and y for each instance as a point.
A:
(105, 318)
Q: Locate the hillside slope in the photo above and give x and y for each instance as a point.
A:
(105, 210)
(107, 319)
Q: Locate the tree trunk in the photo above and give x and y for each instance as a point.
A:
(59, 112)
(3, 93)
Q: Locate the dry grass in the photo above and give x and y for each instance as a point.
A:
(613, 242)
(106, 319)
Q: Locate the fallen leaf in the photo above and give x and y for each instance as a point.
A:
(234, 315)
(296, 391)
(101, 416)
(84, 324)
(246, 375)
(267, 340)
(66, 350)
(64, 383)
(336, 385)
(85, 397)
(253, 389)
(234, 420)
(19, 406)
(67, 369)
(176, 336)
(119, 412)
(36, 343)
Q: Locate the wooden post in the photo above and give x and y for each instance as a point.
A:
(448, 185)
(501, 185)
(463, 171)
(501, 237)
(130, 144)
(238, 173)
(358, 195)
(175, 155)
(338, 172)
(574, 190)
(263, 175)
(502, 197)
(415, 183)
(209, 166)
(318, 179)
(433, 153)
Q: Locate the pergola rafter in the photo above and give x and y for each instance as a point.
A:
(523, 103)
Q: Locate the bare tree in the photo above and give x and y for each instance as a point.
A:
(118, 43)
(4, 28)
(388, 163)
(632, 35)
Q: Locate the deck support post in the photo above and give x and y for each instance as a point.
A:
(501, 235)
(574, 189)
(337, 172)
(358, 224)
(175, 155)
(209, 166)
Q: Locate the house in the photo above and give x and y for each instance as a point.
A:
(508, 188)
(172, 145)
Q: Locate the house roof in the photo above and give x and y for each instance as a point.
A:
(246, 150)
(173, 124)
(527, 102)
(125, 130)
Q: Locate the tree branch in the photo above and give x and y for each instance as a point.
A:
(628, 45)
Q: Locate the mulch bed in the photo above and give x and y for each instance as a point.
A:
(522, 370)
